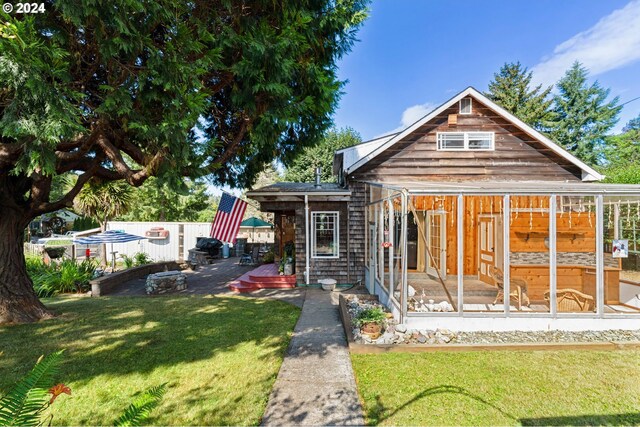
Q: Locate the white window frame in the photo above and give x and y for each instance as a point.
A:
(336, 234)
(470, 106)
(466, 141)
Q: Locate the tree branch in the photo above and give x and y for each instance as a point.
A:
(231, 148)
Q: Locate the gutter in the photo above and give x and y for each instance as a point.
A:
(297, 193)
(306, 235)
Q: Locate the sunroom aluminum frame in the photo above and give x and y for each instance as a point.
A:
(506, 190)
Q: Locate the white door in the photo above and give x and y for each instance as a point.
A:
(486, 247)
(436, 244)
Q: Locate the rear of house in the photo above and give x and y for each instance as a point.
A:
(465, 206)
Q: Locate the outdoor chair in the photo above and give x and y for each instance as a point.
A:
(518, 291)
(571, 300)
(252, 258)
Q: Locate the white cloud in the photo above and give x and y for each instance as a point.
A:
(412, 115)
(611, 43)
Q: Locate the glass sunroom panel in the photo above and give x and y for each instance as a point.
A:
(398, 248)
(529, 253)
(621, 239)
(576, 259)
(483, 236)
(432, 253)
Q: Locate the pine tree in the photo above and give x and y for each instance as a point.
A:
(511, 89)
(582, 115)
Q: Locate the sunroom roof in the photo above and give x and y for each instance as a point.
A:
(511, 187)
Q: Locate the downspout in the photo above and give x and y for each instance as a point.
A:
(349, 242)
(306, 235)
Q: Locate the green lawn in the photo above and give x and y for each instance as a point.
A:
(218, 355)
(500, 388)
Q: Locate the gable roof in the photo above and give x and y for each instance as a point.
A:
(359, 155)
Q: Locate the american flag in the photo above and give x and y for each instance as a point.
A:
(227, 220)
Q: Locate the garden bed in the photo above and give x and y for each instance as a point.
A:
(399, 338)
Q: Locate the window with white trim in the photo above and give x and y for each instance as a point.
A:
(465, 106)
(325, 238)
(460, 141)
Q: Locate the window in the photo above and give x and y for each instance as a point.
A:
(325, 237)
(458, 141)
(465, 106)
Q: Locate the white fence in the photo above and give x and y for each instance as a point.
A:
(182, 237)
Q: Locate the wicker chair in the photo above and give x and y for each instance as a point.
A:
(571, 300)
(518, 291)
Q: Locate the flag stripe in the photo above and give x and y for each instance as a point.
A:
(226, 222)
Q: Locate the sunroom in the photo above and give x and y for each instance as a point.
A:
(505, 255)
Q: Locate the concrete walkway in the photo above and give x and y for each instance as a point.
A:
(315, 385)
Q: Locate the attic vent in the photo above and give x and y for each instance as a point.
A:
(465, 106)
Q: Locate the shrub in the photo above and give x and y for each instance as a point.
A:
(142, 258)
(127, 261)
(370, 315)
(67, 276)
(269, 257)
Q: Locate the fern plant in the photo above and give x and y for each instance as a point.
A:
(140, 409)
(23, 405)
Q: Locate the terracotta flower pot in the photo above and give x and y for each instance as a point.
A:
(371, 329)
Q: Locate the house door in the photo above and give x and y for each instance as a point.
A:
(287, 231)
(437, 244)
(486, 247)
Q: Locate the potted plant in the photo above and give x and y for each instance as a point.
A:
(370, 321)
(288, 260)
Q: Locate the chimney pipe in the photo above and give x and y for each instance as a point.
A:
(318, 173)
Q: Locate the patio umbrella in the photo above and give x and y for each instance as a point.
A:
(109, 236)
(254, 223)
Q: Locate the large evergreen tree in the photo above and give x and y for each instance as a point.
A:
(302, 168)
(511, 89)
(113, 91)
(583, 116)
(622, 155)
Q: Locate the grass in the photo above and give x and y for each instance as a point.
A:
(500, 388)
(218, 355)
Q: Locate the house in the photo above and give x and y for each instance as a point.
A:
(464, 207)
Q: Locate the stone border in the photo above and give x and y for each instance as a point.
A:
(104, 285)
(356, 348)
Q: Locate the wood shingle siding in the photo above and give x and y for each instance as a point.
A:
(517, 155)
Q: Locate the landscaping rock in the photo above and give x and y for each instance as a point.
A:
(401, 328)
(168, 281)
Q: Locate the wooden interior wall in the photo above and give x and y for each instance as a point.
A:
(448, 203)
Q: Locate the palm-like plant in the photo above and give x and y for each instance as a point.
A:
(103, 201)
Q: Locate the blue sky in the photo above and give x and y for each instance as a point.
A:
(415, 54)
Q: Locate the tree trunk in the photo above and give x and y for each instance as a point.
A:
(18, 300)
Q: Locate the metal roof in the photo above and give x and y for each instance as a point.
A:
(299, 188)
